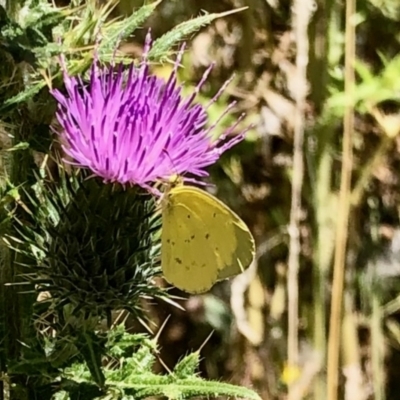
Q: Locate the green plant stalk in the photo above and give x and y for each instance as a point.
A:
(323, 252)
(377, 348)
(343, 210)
(13, 6)
(319, 323)
(368, 170)
(4, 269)
(4, 272)
(187, 389)
(302, 12)
(8, 326)
(353, 388)
(10, 321)
(17, 306)
(320, 45)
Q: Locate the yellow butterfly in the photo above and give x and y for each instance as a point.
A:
(202, 240)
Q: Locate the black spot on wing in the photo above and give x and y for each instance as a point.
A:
(178, 260)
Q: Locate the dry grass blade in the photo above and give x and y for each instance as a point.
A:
(344, 209)
(302, 11)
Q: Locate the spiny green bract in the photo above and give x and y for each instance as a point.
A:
(90, 245)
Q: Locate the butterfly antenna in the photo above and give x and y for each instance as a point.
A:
(175, 176)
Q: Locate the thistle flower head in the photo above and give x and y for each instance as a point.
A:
(129, 126)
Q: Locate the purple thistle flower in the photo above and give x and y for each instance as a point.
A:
(131, 127)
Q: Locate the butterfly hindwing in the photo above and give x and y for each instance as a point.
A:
(203, 240)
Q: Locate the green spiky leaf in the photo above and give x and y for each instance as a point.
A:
(121, 30)
(161, 48)
(132, 377)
